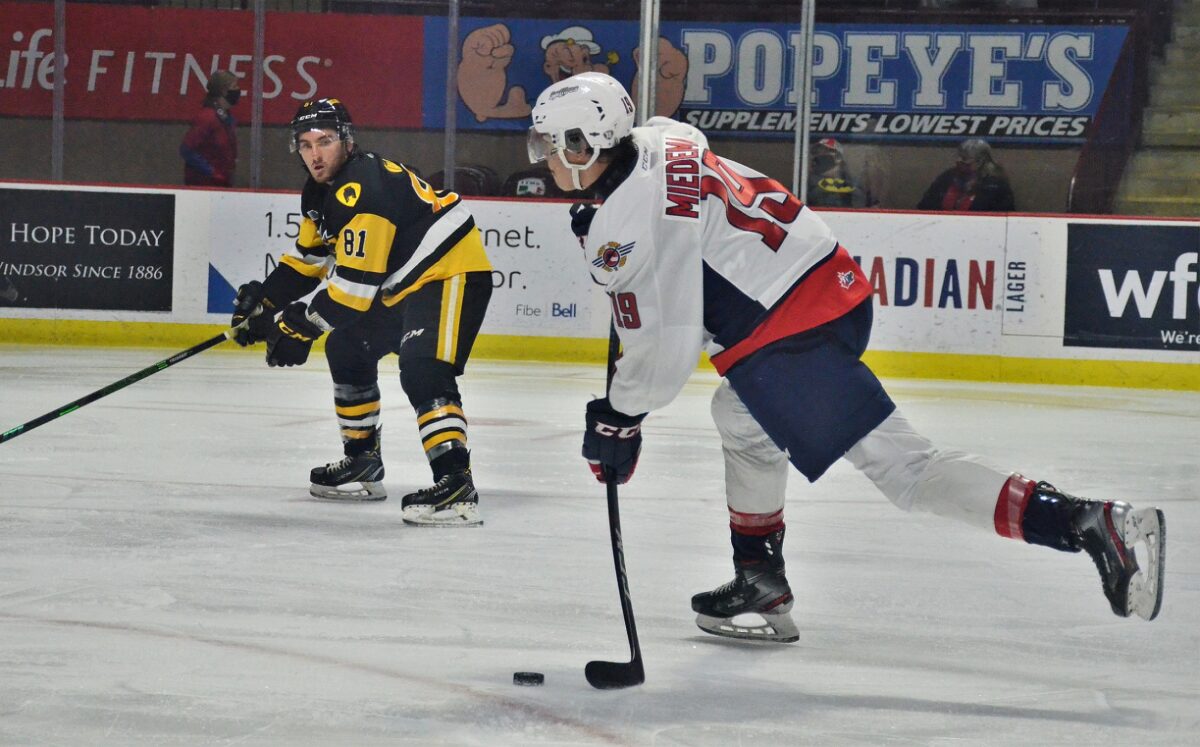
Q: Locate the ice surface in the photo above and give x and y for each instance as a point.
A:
(165, 578)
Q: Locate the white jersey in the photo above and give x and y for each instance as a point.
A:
(700, 253)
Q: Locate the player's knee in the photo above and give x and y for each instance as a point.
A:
(740, 432)
(340, 347)
(425, 379)
(728, 413)
(896, 458)
(347, 362)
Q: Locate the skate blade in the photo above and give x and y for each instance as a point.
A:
(1149, 527)
(777, 627)
(458, 515)
(370, 491)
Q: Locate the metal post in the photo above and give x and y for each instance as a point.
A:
(804, 101)
(648, 73)
(256, 94)
(450, 156)
(57, 128)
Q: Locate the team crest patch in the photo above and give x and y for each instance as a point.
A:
(349, 193)
(846, 279)
(612, 255)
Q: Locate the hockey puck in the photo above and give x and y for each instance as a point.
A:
(528, 679)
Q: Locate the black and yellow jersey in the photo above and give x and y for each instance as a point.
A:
(376, 232)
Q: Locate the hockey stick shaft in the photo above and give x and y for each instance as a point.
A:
(71, 407)
(602, 674)
(614, 521)
(618, 547)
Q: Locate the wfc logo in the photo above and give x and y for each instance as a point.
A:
(1133, 286)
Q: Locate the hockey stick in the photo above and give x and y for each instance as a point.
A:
(70, 407)
(611, 675)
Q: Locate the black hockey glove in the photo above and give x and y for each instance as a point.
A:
(612, 441)
(293, 336)
(251, 304)
(581, 219)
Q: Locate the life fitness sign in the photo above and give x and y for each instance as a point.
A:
(125, 63)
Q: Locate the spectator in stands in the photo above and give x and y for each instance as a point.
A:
(209, 148)
(975, 182)
(829, 181)
(534, 182)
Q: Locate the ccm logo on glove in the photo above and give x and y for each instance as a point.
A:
(604, 429)
(612, 441)
(292, 338)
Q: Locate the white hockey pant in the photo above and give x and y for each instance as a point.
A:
(917, 476)
(756, 470)
(903, 464)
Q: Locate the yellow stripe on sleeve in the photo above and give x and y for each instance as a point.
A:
(309, 237)
(306, 269)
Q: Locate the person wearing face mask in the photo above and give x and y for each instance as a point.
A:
(209, 149)
(975, 182)
(829, 181)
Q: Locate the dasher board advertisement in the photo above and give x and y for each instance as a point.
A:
(1026, 83)
(62, 249)
(1133, 286)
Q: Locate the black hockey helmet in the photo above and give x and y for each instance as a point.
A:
(322, 114)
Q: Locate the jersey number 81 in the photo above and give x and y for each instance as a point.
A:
(354, 244)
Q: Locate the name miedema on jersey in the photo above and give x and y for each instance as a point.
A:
(931, 282)
(682, 166)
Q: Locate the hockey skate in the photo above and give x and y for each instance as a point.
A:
(451, 502)
(756, 589)
(1108, 531)
(334, 481)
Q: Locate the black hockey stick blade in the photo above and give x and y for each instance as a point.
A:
(613, 675)
(71, 407)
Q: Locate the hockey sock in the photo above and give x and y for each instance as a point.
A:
(443, 429)
(756, 538)
(1036, 513)
(1047, 519)
(357, 407)
(454, 460)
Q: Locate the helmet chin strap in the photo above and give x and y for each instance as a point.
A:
(576, 168)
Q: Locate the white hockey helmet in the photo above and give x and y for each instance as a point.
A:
(589, 110)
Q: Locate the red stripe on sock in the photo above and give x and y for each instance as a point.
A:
(755, 525)
(1010, 506)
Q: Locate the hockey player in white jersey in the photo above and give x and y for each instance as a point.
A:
(697, 252)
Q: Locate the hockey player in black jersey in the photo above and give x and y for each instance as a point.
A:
(404, 272)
